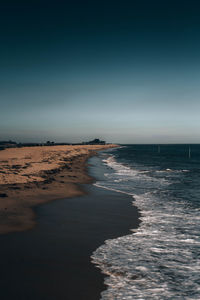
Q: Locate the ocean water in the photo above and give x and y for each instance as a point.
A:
(160, 259)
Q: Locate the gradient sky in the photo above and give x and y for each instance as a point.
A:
(123, 71)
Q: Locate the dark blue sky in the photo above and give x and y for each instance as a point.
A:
(124, 71)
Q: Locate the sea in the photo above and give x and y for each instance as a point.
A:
(161, 258)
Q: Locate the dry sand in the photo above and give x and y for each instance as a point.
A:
(34, 175)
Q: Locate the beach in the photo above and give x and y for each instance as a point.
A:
(30, 176)
(53, 260)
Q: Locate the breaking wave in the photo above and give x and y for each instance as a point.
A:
(159, 260)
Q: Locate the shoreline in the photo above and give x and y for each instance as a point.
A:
(54, 258)
(60, 171)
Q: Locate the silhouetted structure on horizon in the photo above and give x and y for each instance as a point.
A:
(94, 142)
(12, 144)
(7, 144)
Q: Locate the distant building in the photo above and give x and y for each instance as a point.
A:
(94, 142)
(48, 143)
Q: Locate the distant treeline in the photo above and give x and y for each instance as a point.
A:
(12, 144)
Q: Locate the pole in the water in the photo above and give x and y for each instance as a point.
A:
(158, 149)
(189, 153)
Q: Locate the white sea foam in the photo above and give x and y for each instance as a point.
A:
(158, 260)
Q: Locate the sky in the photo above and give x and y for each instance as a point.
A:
(122, 71)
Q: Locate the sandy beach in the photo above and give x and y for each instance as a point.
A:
(53, 260)
(30, 176)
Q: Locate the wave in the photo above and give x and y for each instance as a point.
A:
(158, 260)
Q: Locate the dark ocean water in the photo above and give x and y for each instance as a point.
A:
(160, 259)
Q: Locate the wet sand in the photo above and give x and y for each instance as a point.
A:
(30, 176)
(52, 261)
